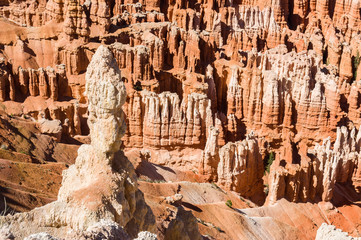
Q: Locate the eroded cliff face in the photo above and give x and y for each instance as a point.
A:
(212, 87)
(101, 186)
(314, 178)
(241, 169)
(257, 71)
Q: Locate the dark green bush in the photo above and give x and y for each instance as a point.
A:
(229, 203)
(355, 63)
(271, 158)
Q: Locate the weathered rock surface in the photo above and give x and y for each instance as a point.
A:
(314, 179)
(101, 185)
(200, 76)
(240, 168)
(330, 232)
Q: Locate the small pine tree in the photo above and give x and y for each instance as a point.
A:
(138, 86)
(355, 63)
(271, 158)
(229, 203)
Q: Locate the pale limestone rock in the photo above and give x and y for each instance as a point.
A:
(5, 233)
(175, 200)
(240, 167)
(210, 156)
(40, 236)
(307, 181)
(146, 236)
(51, 127)
(162, 120)
(330, 232)
(102, 184)
(104, 229)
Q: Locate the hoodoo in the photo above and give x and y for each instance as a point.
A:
(100, 190)
(180, 119)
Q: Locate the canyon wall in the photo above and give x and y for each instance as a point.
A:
(200, 77)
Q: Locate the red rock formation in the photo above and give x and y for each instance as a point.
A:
(287, 69)
(162, 120)
(240, 168)
(315, 180)
(210, 156)
(75, 21)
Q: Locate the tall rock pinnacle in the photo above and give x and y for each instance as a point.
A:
(101, 187)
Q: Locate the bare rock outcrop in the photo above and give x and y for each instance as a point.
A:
(162, 120)
(240, 168)
(182, 225)
(315, 180)
(102, 184)
(210, 156)
(51, 127)
(331, 232)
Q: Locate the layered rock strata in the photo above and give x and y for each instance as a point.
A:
(102, 184)
(289, 70)
(167, 57)
(241, 169)
(163, 120)
(330, 232)
(315, 179)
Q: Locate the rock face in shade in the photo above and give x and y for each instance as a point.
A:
(102, 184)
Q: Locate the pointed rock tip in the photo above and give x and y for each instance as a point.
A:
(103, 52)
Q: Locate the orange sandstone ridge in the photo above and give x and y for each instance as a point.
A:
(261, 99)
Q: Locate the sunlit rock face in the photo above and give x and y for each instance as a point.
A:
(101, 185)
(208, 89)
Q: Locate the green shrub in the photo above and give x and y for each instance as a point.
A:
(270, 159)
(24, 152)
(355, 63)
(229, 203)
(138, 86)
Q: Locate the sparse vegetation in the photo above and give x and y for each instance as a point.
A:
(219, 229)
(269, 161)
(245, 201)
(24, 152)
(229, 203)
(266, 189)
(201, 222)
(138, 86)
(355, 63)
(215, 186)
(6, 210)
(208, 224)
